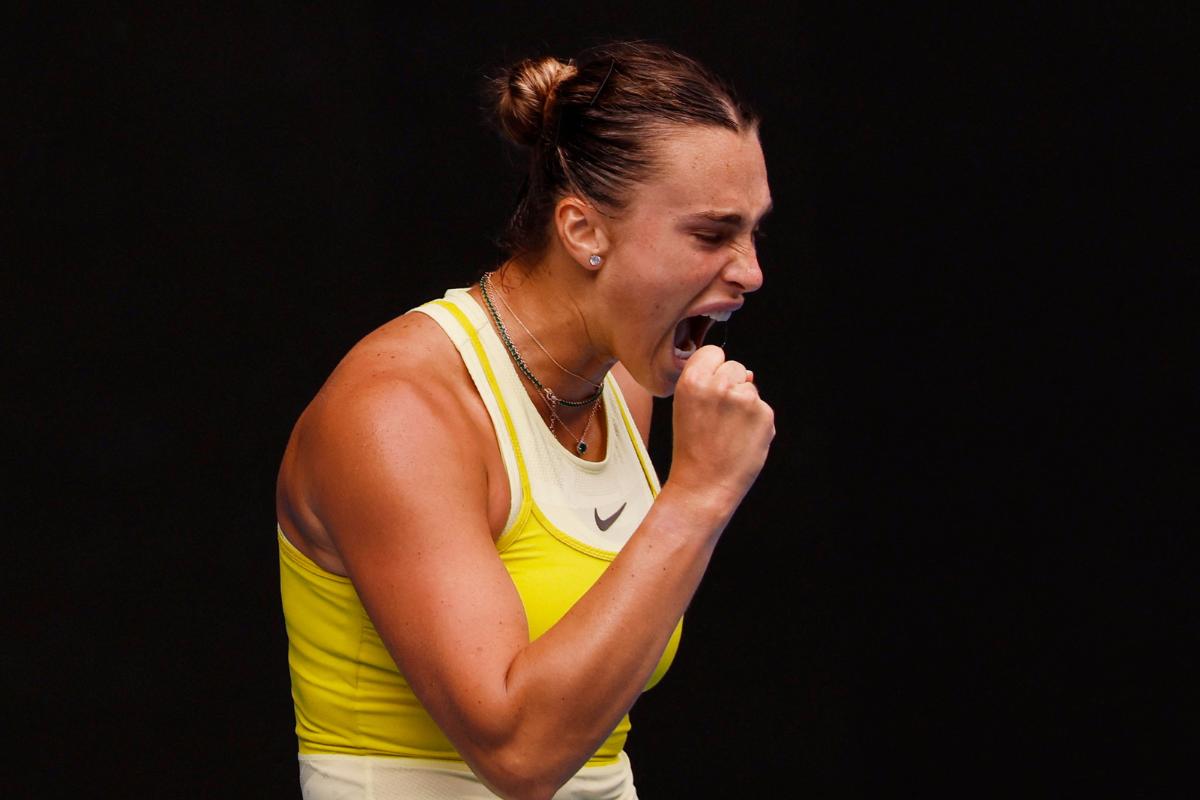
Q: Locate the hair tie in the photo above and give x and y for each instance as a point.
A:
(612, 62)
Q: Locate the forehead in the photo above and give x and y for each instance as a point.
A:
(702, 168)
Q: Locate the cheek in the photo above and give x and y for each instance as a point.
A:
(662, 276)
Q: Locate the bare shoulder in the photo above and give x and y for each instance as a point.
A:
(639, 400)
(395, 410)
(400, 349)
(397, 373)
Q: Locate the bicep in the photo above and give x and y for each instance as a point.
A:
(403, 495)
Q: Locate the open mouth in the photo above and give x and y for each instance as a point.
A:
(690, 332)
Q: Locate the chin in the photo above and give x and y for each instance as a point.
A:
(664, 384)
(658, 382)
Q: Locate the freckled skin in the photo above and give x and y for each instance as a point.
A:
(411, 512)
(658, 270)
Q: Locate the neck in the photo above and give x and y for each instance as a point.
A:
(546, 301)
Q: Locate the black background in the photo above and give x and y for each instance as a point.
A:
(962, 566)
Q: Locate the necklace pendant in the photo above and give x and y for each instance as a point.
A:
(581, 448)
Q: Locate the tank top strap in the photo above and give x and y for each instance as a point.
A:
(543, 476)
(462, 330)
(635, 437)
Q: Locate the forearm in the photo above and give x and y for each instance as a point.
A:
(565, 692)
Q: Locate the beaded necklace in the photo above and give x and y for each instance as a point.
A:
(552, 400)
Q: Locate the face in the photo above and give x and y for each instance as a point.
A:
(682, 249)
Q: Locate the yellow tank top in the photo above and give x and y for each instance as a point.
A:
(349, 696)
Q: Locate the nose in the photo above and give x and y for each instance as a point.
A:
(744, 270)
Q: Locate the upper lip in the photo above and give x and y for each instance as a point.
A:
(713, 308)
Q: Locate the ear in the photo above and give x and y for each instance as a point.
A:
(581, 229)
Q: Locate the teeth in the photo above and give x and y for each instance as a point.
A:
(719, 316)
(685, 354)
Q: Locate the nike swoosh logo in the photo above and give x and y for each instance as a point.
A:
(605, 524)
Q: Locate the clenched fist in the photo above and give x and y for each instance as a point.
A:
(722, 428)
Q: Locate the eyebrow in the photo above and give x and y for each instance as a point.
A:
(731, 218)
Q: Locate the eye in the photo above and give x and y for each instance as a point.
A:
(709, 237)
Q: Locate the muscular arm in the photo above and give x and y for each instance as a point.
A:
(401, 489)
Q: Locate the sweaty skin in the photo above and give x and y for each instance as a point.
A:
(410, 512)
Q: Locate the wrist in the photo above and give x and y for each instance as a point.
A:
(700, 507)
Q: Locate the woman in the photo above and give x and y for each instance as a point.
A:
(480, 573)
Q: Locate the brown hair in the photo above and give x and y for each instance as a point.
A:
(591, 125)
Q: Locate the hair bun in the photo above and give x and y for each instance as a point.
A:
(524, 94)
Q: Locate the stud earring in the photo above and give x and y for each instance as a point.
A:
(595, 260)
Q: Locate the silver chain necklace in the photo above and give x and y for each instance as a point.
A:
(552, 400)
(541, 346)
